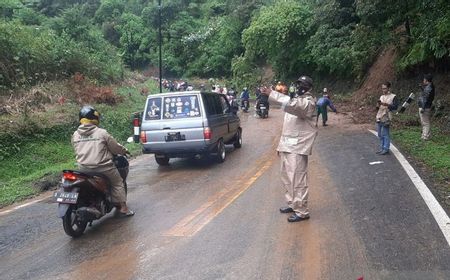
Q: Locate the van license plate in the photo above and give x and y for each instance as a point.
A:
(65, 197)
(175, 136)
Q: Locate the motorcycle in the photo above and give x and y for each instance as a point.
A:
(262, 110)
(85, 197)
(245, 105)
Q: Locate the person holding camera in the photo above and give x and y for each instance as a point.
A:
(387, 103)
(296, 142)
(425, 101)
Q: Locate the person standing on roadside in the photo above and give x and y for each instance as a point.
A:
(387, 103)
(425, 101)
(296, 142)
(322, 105)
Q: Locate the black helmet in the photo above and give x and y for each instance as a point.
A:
(88, 114)
(304, 84)
(305, 81)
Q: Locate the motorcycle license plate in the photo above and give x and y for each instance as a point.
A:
(262, 108)
(65, 197)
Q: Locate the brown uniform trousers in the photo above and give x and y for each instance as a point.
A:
(118, 194)
(294, 173)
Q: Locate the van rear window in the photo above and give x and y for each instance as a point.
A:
(153, 109)
(179, 107)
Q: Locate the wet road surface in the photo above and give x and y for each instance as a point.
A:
(201, 220)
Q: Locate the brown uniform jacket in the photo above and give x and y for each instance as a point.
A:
(299, 129)
(95, 147)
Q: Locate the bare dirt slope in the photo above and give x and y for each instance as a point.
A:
(363, 101)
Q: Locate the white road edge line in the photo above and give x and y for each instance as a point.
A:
(2, 213)
(436, 209)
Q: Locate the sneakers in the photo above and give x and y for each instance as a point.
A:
(382, 152)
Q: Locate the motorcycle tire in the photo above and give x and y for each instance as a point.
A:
(72, 227)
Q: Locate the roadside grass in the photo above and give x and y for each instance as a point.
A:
(46, 150)
(435, 153)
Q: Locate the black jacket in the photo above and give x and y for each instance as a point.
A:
(426, 97)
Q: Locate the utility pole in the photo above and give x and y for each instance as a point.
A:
(160, 47)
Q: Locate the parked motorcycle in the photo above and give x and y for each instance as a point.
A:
(85, 197)
(262, 110)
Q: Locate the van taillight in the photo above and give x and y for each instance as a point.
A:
(69, 176)
(207, 133)
(143, 137)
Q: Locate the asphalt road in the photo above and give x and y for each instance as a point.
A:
(200, 220)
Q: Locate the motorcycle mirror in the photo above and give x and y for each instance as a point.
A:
(130, 139)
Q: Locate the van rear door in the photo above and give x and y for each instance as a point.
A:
(173, 118)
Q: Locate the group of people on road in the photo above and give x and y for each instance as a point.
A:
(176, 85)
(388, 102)
(94, 147)
(300, 110)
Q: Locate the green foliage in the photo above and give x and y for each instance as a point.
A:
(219, 42)
(29, 16)
(31, 54)
(432, 153)
(134, 40)
(39, 147)
(346, 51)
(201, 38)
(109, 10)
(7, 7)
(279, 39)
(246, 73)
(430, 34)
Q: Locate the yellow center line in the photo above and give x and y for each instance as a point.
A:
(193, 223)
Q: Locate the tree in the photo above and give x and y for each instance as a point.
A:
(280, 40)
(134, 41)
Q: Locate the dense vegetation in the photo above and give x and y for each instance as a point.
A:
(34, 154)
(44, 40)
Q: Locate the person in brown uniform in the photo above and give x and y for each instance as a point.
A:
(296, 142)
(94, 150)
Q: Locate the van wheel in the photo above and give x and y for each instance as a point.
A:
(163, 161)
(238, 139)
(221, 154)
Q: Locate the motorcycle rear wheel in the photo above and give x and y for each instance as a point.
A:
(72, 226)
